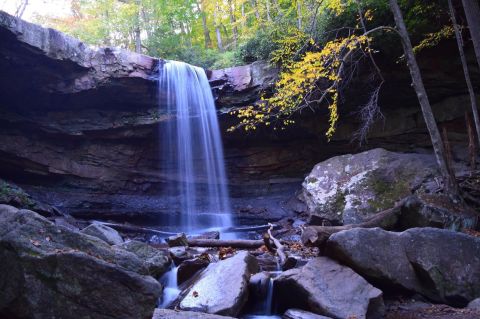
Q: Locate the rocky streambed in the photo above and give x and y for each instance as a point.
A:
(425, 265)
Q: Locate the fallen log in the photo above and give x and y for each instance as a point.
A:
(234, 243)
(286, 262)
(134, 229)
(317, 236)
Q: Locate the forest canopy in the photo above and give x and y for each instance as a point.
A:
(222, 33)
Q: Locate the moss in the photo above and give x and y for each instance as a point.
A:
(340, 202)
(386, 192)
(10, 192)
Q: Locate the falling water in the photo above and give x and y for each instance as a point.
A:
(192, 148)
(170, 290)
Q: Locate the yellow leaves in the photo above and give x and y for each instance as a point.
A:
(432, 39)
(337, 6)
(318, 73)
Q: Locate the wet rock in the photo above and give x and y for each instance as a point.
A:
(105, 233)
(207, 235)
(190, 267)
(13, 195)
(175, 314)
(442, 265)
(328, 288)
(156, 261)
(241, 85)
(49, 271)
(301, 314)
(349, 188)
(180, 254)
(223, 288)
(258, 285)
(177, 240)
(474, 304)
(436, 210)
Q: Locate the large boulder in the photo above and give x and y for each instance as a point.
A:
(325, 287)
(105, 233)
(223, 289)
(442, 265)
(49, 271)
(175, 314)
(156, 261)
(349, 188)
(435, 210)
(190, 267)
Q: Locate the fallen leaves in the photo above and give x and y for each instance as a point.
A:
(35, 243)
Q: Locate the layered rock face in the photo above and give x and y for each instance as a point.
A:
(79, 127)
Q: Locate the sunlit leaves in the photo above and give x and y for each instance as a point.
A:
(314, 79)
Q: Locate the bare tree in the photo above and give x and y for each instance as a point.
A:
(21, 8)
(473, 100)
(450, 184)
(472, 12)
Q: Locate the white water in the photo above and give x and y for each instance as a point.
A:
(192, 149)
(170, 287)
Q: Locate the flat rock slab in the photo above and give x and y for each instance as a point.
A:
(325, 287)
(175, 314)
(440, 264)
(223, 288)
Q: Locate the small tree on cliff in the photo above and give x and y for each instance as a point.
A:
(473, 100)
(472, 12)
(438, 147)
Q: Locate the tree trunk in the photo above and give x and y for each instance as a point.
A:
(472, 12)
(244, 18)
(299, 15)
(255, 9)
(138, 39)
(318, 235)
(449, 180)
(234, 243)
(269, 17)
(473, 100)
(21, 9)
(233, 21)
(471, 143)
(206, 32)
(217, 28)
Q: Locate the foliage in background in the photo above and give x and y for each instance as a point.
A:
(310, 40)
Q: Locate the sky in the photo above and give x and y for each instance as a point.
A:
(52, 8)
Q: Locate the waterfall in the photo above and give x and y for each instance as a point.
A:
(192, 148)
(170, 287)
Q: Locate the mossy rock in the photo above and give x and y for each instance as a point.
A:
(348, 189)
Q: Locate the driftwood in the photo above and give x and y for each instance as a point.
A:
(318, 235)
(234, 243)
(135, 229)
(138, 229)
(286, 262)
